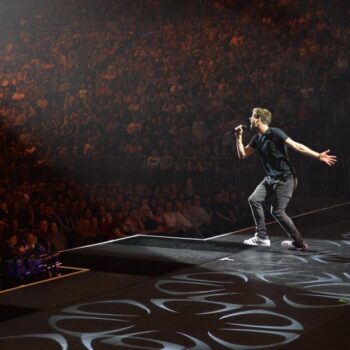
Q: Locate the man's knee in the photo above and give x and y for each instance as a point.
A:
(277, 212)
(252, 199)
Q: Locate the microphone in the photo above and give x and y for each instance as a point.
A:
(233, 131)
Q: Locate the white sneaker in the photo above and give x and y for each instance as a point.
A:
(257, 241)
(290, 245)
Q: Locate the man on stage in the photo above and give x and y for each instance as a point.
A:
(271, 144)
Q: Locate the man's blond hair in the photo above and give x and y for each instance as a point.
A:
(264, 115)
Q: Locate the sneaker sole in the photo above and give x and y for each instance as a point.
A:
(257, 245)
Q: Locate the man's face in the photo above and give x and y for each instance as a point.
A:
(254, 121)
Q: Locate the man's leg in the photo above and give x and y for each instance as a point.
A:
(282, 194)
(256, 201)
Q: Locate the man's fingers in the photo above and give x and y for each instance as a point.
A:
(239, 130)
(332, 160)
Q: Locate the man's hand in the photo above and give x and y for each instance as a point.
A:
(326, 158)
(239, 130)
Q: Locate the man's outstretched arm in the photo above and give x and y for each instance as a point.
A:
(323, 156)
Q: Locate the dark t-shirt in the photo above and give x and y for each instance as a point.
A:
(273, 152)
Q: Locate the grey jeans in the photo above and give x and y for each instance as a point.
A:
(279, 192)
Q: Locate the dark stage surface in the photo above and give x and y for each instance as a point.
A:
(162, 293)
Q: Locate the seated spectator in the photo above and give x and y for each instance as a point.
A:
(32, 246)
(160, 220)
(197, 215)
(133, 224)
(57, 239)
(153, 160)
(3, 228)
(87, 228)
(149, 221)
(4, 213)
(234, 209)
(203, 217)
(118, 225)
(42, 103)
(39, 261)
(67, 224)
(134, 127)
(8, 249)
(42, 234)
(14, 227)
(15, 270)
(222, 219)
(184, 224)
(18, 95)
(189, 214)
(104, 221)
(40, 213)
(50, 214)
(231, 209)
(170, 218)
(175, 220)
(18, 213)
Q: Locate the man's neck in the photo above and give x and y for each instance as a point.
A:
(262, 128)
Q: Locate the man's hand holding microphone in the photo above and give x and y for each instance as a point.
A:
(239, 130)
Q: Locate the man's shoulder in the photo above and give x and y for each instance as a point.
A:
(274, 129)
(278, 132)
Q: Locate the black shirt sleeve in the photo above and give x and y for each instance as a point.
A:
(279, 133)
(253, 142)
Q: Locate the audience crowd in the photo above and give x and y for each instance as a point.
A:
(47, 217)
(156, 81)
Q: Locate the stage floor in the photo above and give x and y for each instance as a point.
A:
(148, 292)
